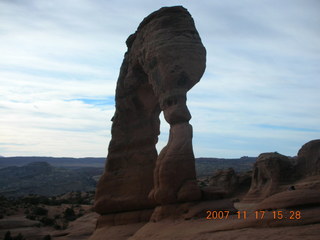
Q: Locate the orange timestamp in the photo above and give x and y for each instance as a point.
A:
(277, 215)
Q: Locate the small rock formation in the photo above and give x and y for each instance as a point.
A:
(165, 59)
(224, 180)
(226, 183)
(244, 182)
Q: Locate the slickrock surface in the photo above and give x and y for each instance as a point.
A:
(200, 228)
(165, 59)
(80, 229)
(299, 198)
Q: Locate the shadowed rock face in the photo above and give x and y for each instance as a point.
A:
(165, 59)
(309, 158)
(224, 180)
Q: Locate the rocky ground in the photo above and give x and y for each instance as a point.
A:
(68, 216)
(207, 220)
(279, 199)
(228, 218)
(197, 223)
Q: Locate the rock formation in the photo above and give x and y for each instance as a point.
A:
(164, 60)
(226, 183)
(309, 159)
(270, 172)
(224, 180)
(274, 173)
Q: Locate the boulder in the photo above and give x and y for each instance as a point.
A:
(226, 183)
(225, 180)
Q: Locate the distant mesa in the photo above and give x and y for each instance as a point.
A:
(53, 161)
(41, 178)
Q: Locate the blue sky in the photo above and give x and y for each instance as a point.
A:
(60, 60)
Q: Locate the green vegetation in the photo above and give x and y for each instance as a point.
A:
(47, 237)
(69, 214)
(40, 211)
(38, 208)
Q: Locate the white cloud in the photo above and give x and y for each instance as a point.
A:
(262, 70)
(55, 126)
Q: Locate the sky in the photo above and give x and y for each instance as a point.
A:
(60, 60)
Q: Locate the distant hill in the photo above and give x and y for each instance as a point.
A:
(54, 161)
(207, 166)
(204, 166)
(44, 179)
(49, 176)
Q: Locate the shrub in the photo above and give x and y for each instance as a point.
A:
(47, 237)
(47, 221)
(7, 236)
(19, 237)
(31, 217)
(69, 214)
(57, 226)
(40, 211)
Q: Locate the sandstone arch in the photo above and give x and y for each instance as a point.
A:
(164, 60)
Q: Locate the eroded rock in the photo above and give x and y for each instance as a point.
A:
(165, 59)
(226, 183)
(174, 176)
(225, 180)
(309, 159)
(272, 173)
